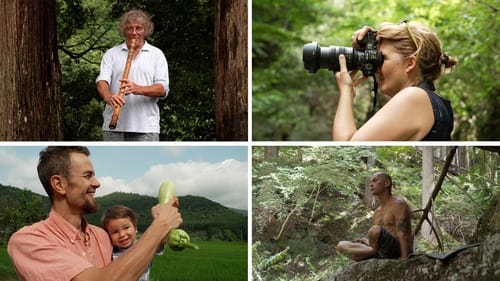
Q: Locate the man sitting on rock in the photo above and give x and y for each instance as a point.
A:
(390, 236)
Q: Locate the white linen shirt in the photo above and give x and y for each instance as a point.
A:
(140, 114)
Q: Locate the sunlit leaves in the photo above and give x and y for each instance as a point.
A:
(312, 197)
(467, 30)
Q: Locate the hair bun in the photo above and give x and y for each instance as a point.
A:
(445, 59)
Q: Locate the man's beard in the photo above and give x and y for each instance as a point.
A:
(90, 207)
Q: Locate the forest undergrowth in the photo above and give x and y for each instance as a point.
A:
(308, 199)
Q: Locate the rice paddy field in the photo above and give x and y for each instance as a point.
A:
(215, 261)
(7, 272)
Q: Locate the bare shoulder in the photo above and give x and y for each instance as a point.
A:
(399, 203)
(406, 116)
(411, 94)
(413, 99)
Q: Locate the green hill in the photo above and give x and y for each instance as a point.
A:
(203, 218)
(19, 207)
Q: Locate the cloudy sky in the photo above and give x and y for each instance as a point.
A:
(218, 173)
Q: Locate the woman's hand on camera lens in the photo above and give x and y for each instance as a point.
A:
(347, 81)
(344, 80)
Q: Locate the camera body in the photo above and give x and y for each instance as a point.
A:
(367, 59)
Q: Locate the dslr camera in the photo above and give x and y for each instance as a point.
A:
(367, 59)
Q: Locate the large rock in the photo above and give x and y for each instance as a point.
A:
(477, 263)
(489, 223)
(481, 263)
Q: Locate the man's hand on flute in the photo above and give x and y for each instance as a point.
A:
(128, 86)
(116, 100)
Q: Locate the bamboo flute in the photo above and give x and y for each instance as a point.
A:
(116, 113)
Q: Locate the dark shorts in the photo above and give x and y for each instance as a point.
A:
(388, 246)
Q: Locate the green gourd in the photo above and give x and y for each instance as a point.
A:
(166, 192)
(177, 239)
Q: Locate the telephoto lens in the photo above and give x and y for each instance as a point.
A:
(315, 57)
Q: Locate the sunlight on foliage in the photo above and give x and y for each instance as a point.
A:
(307, 199)
(287, 99)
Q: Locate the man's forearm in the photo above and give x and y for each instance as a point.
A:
(103, 90)
(344, 126)
(404, 247)
(363, 240)
(155, 90)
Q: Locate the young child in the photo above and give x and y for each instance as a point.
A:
(121, 224)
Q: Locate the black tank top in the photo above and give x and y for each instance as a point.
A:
(443, 114)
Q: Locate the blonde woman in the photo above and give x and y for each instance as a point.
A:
(413, 60)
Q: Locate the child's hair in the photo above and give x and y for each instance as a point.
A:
(118, 212)
(412, 38)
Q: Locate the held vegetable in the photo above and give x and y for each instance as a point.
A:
(177, 239)
(166, 192)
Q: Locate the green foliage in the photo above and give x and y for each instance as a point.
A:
(465, 29)
(19, 208)
(7, 272)
(287, 100)
(279, 105)
(262, 262)
(85, 32)
(272, 260)
(72, 16)
(302, 204)
(184, 31)
(310, 198)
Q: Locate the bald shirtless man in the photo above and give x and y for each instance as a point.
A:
(390, 236)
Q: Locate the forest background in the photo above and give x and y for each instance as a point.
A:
(307, 199)
(183, 30)
(286, 99)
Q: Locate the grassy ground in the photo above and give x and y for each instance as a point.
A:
(217, 261)
(7, 272)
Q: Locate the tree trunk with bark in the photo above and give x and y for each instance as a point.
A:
(30, 98)
(231, 70)
(271, 153)
(371, 162)
(427, 187)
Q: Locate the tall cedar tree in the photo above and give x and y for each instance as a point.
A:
(30, 107)
(231, 71)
